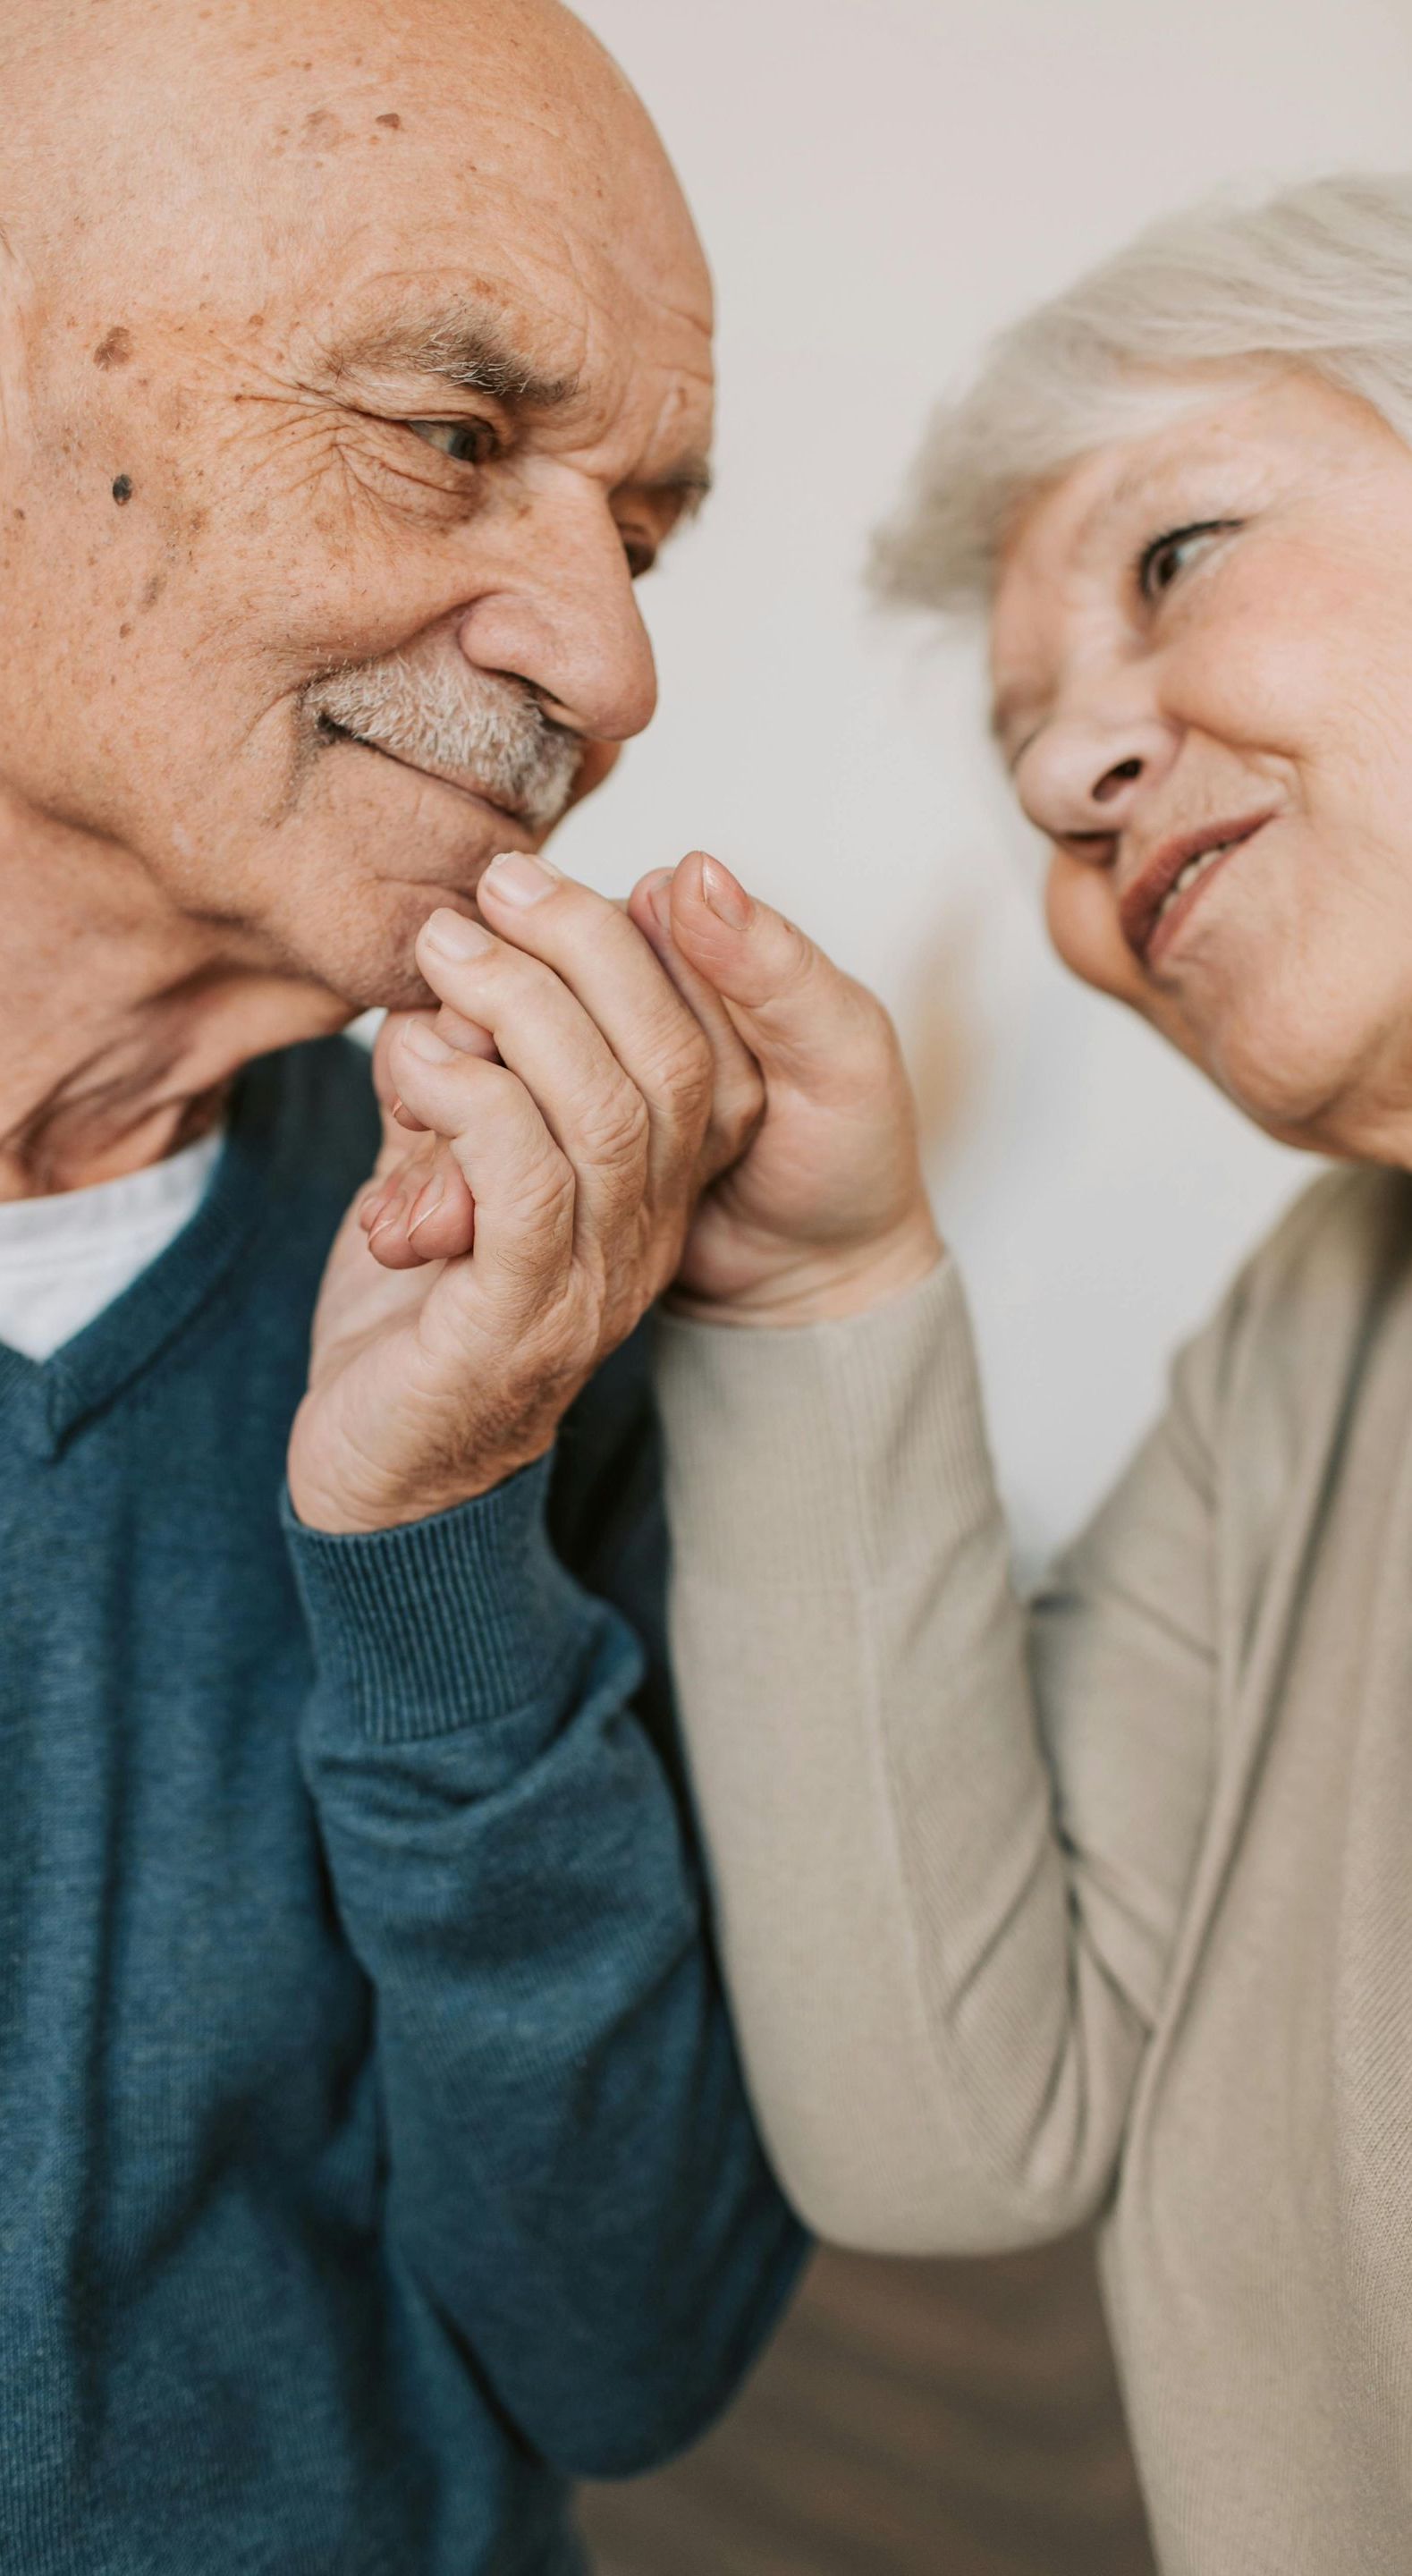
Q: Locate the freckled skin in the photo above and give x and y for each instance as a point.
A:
(272, 523)
(1272, 676)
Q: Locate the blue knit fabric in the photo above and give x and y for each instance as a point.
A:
(373, 2154)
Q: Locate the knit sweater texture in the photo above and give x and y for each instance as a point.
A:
(373, 2156)
(1100, 1905)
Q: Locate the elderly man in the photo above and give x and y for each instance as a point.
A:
(374, 2153)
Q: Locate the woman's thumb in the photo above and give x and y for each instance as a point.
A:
(783, 993)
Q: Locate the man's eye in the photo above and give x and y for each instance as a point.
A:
(641, 554)
(1160, 563)
(468, 442)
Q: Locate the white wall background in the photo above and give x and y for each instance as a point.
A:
(880, 184)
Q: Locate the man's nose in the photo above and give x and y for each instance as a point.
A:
(564, 619)
(1082, 775)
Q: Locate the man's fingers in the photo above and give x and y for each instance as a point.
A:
(521, 1184)
(602, 958)
(592, 1108)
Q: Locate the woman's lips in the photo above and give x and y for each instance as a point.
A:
(1156, 905)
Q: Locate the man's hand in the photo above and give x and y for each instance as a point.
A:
(826, 1212)
(574, 1106)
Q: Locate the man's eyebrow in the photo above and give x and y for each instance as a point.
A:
(470, 350)
(686, 483)
(473, 350)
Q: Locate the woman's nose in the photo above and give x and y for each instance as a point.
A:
(1081, 777)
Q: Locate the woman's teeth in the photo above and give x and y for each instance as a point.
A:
(1194, 868)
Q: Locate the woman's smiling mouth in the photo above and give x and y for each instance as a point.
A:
(1159, 901)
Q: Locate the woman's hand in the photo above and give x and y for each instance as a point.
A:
(825, 1213)
(574, 1107)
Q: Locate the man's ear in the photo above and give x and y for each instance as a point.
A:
(598, 759)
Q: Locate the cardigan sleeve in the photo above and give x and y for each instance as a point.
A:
(949, 1837)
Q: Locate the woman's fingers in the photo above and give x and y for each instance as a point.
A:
(421, 1211)
(737, 1087)
(789, 1002)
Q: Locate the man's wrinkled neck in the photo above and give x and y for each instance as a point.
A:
(125, 1021)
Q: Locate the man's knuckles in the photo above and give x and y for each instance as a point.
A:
(611, 1127)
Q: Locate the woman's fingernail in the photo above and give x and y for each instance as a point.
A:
(520, 877)
(389, 1217)
(659, 895)
(725, 895)
(371, 1206)
(452, 935)
(426, 1203)
(420, 1039)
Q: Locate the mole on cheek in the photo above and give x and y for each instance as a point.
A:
(122, 489)
(394, 122)
(115, 349)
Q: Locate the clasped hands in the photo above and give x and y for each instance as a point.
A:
(609, 1102)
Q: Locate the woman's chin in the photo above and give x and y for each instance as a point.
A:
(1316, 1100)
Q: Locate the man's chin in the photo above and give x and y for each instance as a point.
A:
(364, 948)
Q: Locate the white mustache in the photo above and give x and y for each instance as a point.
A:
(444, 716)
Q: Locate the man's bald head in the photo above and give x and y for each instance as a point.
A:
(175, 122)
(329, 339)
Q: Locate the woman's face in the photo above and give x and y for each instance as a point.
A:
(1202, 654)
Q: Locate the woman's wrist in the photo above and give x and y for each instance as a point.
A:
(819, 1284)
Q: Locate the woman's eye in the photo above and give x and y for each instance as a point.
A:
(1160, 563)
(468, 442)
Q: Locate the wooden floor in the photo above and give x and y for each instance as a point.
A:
(912, 2419)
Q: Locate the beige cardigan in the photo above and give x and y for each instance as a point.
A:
(1107, 1908)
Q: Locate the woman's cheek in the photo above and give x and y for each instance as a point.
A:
(1081, 913)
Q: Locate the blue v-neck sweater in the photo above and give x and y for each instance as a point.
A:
(373, 2155)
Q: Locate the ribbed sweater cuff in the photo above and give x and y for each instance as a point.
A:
(807, 1455)
(444, 1623)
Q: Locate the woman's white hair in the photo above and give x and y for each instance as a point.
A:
(1319, 277)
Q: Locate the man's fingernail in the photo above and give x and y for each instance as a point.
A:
(370, 1208)
(725, 895)
(452, 935)
(521, 878)
(420, 1039)
(426, 1203)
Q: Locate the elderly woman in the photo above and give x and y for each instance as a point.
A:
(1106, 1907)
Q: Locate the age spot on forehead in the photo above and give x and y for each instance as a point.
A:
(114, 349)
(394, 123)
